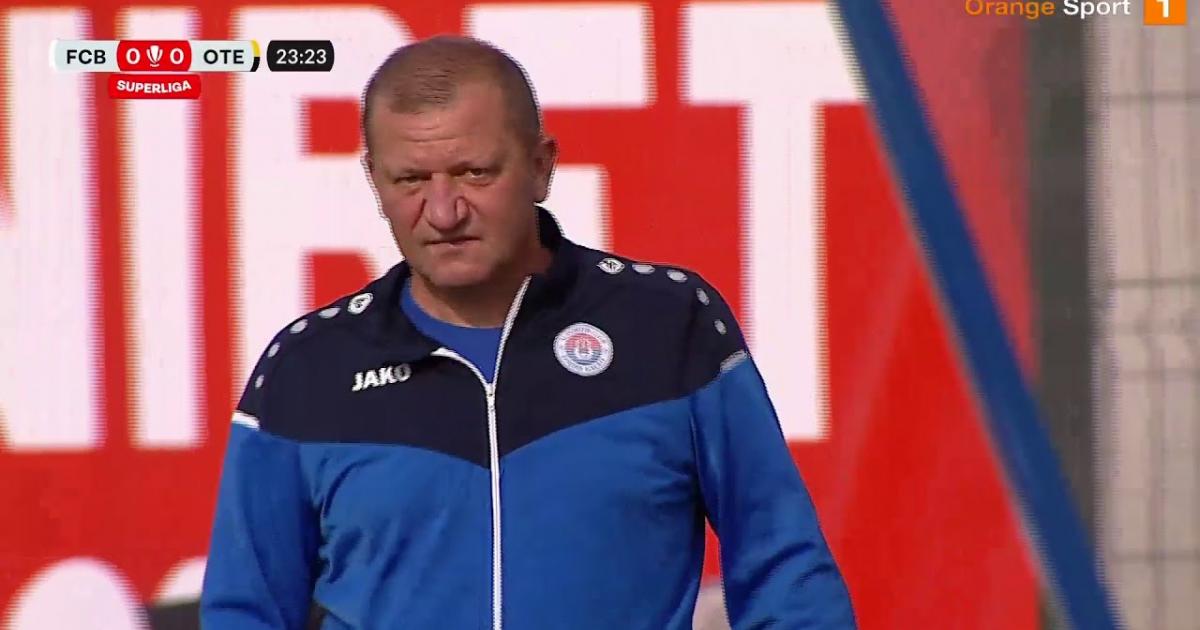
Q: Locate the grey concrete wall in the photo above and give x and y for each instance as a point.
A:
(1145, 169)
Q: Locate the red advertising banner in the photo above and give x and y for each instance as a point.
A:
(149, 250)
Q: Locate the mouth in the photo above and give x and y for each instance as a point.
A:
(452, 243)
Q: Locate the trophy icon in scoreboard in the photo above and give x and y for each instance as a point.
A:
(154, 54)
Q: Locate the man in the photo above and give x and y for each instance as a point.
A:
(507, 429)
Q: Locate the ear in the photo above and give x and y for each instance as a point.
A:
(368, 166)
(545, 156)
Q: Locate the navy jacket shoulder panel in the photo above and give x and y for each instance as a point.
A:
(659, 342)
(298, 344)
(668, 297)
(356, 371)
(715, 340)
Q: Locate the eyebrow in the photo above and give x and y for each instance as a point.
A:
(463, 165)
(492, 160)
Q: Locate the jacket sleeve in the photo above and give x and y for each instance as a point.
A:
(262, 556)
(777, 569)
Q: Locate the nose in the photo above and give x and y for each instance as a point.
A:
(445, 208)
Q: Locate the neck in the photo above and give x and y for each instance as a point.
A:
(484, 305)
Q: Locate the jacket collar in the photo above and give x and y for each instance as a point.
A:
(388, 323)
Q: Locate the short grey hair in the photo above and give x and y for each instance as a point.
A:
(428, 73)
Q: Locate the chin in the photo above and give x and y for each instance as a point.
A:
(459, 278)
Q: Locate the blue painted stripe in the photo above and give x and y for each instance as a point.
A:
(1012, 414)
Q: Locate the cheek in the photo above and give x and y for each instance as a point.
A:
(502, 199)
(401, 211)
(493, 209)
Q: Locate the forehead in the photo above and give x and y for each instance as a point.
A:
(473, 124)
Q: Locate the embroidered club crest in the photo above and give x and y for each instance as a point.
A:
(583, 349)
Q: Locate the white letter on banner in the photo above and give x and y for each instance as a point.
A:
(290, 204)
(780, 61)
(182, 583)
(159, 157)
(77, 593)
(46, 244)
(577, 57)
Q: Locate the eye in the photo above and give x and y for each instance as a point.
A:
(477, 173)
(408, 179)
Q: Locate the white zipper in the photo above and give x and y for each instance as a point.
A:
(489, 390)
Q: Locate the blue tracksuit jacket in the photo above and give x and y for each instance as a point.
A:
(378, 476)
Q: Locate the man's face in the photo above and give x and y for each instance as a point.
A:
(458, 186)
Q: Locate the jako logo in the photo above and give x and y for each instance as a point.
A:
(382, 376)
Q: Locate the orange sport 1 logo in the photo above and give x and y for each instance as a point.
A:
(1155, 12)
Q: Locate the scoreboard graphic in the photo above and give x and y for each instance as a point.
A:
(158, 69)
